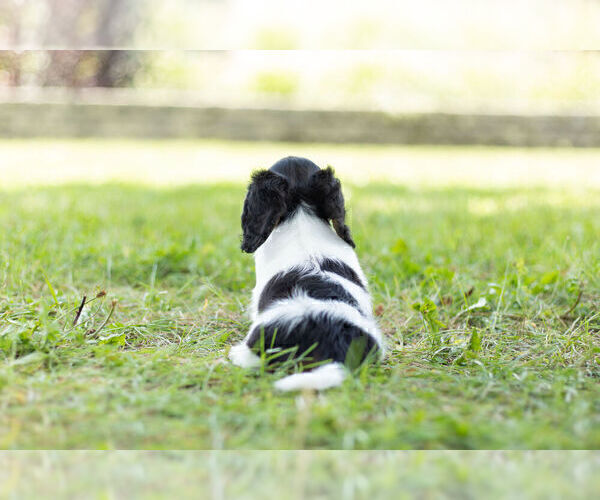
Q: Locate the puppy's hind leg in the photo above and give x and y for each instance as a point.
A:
(241, 355)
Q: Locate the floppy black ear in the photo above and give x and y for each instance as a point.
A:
(327, 198)
(265, 204)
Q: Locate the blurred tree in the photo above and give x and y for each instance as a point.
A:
(90, 68)
(68, 23)
(10, 69)
(10, 27)
(96, 23)
(70, 68)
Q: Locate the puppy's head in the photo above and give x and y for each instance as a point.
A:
(274, 194)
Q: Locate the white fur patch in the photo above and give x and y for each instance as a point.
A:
(304, 239)
(360, 294)
(323, 377)
(241, 355)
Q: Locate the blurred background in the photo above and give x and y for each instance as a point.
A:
(494, 73)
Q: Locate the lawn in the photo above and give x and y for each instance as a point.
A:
(488, 299)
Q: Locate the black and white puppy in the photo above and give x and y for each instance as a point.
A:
(311, 299)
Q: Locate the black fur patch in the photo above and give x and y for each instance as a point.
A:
(317, 338)
(265, 205)
(341, 269)
(316, 286)
(324, 194)
(297, 171)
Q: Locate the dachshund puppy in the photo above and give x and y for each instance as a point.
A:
(311, 303)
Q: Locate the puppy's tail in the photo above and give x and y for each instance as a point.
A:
(323, 377)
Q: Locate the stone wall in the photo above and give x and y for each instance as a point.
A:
(76, 119)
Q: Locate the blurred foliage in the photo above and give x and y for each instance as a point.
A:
(391, 81)
(276, 83)
(68, 23)
(311, 24)
(172, 69)
(70, 68)
(276, 39)
(363, 77)
(60, 23)
(419, 80)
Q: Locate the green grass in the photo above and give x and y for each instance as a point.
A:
(488, 300)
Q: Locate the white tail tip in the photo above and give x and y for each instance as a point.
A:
(323, 377)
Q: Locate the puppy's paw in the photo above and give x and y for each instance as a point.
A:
(242, 355)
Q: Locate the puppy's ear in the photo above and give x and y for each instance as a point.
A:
(265, 204)
(326, 196)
